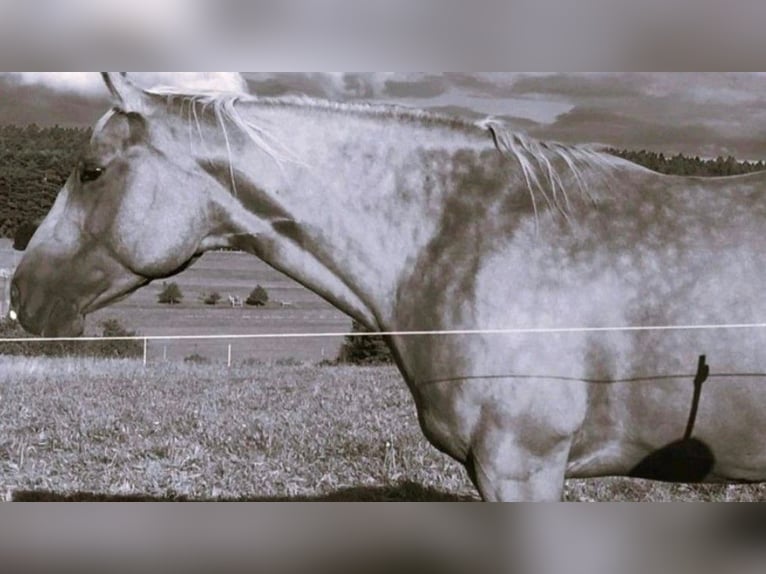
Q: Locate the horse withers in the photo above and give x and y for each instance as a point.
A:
(546, 304)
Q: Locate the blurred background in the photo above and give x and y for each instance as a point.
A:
(627, 539)
(283, 34)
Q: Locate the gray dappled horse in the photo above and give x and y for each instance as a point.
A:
(412, 222)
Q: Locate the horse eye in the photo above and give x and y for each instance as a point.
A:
(88, 174)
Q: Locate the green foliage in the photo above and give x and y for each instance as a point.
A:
(364, 350)
(171, 294)
(690, 166)
(258, 298)
(34, 165)
(111, 328)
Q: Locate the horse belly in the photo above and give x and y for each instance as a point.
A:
(641, 403)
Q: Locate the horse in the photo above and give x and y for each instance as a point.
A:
(235, 302)
(555, 311)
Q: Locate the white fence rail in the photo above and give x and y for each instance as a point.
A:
(229, 340)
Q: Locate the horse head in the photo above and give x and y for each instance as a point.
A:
(135, 209)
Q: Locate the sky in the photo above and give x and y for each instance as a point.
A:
(697, 113)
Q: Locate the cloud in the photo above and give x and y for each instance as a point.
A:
(79, 98)
(697, 113)
(429, 86)
(23, 103)
(349, 85)
(614, 129)
(578, 86)
(267, 84)
(90, 83)
(76, 82)
(491, 84)
(694, 113)
(223, 81)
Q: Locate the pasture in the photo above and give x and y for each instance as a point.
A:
(79, 429)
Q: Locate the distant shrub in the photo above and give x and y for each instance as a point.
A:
(258, 298)
(364, 350)
(171, 294)
(197, 359)
(289, 362)
(212, 299)
(111, 328)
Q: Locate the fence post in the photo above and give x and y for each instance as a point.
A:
(229, 360)
(146, 349)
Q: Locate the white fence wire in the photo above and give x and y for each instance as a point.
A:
(444, 333)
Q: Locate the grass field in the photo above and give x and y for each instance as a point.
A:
(78, 429)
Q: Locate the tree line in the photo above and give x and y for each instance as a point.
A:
(35, 162)
(680, 164)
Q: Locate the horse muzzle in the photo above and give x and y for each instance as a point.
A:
(45, 315)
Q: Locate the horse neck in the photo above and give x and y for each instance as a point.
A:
(349, 199)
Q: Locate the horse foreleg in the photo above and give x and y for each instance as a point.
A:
(520, 447)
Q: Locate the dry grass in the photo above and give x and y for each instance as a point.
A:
(78, 429)
(81, 428)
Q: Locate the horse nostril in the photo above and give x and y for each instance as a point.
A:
(15, 296)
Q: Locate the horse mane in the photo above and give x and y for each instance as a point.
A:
(541, 161)
(225, 106)
(544, 165)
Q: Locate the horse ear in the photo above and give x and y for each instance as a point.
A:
(125, 93)
(243, 85)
